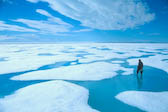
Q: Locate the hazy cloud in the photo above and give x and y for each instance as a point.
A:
(52, 18)
(103, 14)
(52, 26)
(8, 27)
(153, 34)
(44, 26)
(43, 12)
(83, 30)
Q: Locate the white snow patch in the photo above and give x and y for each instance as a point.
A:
(127, 71)
(93, 71)
(73, 63)
(147, 101)
(52, 96)
(29, 59)
(117, 61)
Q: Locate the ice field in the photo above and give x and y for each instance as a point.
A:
(87, 77)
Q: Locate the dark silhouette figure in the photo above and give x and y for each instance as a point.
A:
(140, 67)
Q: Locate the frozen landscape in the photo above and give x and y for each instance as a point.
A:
(83, 56)
(87, 77)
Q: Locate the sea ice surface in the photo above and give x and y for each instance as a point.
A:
(93, 71)
(86, 61)
(117, 61)
(25, 57)
(147, 101)
(29, 59)
(51, 96)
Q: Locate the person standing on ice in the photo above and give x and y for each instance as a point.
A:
(140, 67)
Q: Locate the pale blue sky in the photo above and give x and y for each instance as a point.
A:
(83, 21)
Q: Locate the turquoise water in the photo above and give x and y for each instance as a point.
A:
(46, 54)
(101, 93)
(3, 58)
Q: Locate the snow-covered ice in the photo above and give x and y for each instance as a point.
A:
(24, 57)
(29, 58)
(93, 71)
(81, 62)
(156, 61)
(147, 101)
(52, 96)
(117, 61)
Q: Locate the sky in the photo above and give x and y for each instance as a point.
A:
(84, 21)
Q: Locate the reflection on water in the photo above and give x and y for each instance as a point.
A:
(139, 80)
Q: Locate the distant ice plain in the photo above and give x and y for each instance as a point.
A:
(92, 62)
